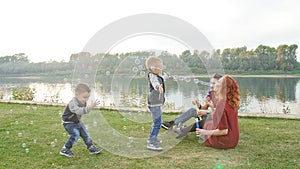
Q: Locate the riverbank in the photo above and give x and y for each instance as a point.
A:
(132, 109)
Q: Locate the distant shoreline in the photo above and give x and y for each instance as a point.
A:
(195, 76)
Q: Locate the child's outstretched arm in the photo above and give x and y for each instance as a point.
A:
(154, 81)
(94, 104)
(73, 106)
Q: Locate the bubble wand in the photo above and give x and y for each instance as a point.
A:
(196, 103)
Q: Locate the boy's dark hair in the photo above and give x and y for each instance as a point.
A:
(81, 87)
(217, 76)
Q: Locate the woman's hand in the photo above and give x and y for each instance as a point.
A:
(210, 104)
(204, 132)
(201, 112)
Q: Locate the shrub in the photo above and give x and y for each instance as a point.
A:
(24, 93)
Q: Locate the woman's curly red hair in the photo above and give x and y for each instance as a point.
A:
(229, 91)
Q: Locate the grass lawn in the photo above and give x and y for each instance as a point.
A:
(264, 143)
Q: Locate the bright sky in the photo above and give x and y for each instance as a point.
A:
(55, 29)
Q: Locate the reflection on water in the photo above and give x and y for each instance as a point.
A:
(56, 93)
(259, 95)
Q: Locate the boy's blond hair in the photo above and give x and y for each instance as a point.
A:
(82, 87)
(153, 62)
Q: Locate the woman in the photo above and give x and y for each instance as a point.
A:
(222, 131)
(192, 112)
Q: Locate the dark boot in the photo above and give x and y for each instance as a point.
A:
(167, 125)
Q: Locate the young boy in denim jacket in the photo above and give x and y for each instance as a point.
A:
(155, 99)
(72, 121)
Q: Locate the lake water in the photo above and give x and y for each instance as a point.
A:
(259, 94)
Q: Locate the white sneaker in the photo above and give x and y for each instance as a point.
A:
(177, 128)
(154, 147)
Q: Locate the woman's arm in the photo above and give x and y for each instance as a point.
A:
(215, 132)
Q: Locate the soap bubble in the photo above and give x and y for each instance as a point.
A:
(180, 78)
(23, 145)
(141, 67)
(130, 139)
(175, 77)
(20, 134)
(142, 74)
(135, 69)
(186, 79)
(27, 150)
(34, 141)
(137, 61)
(60, 112)
(113, 141)
(107, 73)
(129, 145)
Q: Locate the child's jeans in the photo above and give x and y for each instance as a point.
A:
(75, 130)
(157, 120)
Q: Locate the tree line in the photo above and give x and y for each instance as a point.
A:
(263, 58)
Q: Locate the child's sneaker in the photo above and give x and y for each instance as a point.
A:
(95, 150)
(177, 129)
(154, 147)
(66, 152)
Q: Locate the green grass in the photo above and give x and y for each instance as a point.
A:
(264, 143)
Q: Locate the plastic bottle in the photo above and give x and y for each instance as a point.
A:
(197, 123)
